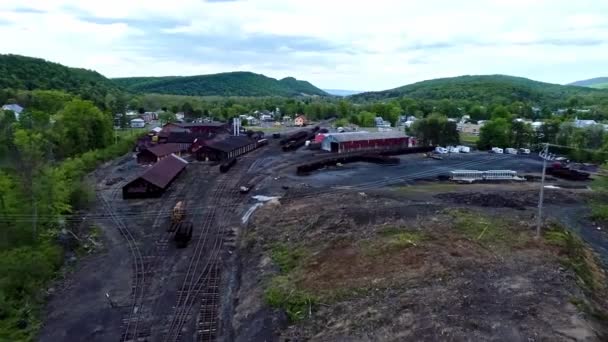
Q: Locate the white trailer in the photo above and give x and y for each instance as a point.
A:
(497, 150)
(510, 150)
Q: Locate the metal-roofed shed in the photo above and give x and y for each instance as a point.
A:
(224, 147)
(154, 181)
(364, 141)
(157, 152)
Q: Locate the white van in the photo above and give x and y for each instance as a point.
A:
(441, 150)
(453, 149)
(464, 149)
(524, 150)
(510, 150)
(497, 150)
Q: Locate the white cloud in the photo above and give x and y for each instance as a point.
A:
(360, 45)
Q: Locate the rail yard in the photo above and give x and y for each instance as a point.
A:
(360, 220)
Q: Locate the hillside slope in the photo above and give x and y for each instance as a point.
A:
(598, 82)
(20, 72)
(485, 89)
(238, 83)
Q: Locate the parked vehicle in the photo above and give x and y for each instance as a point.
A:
(511, 150)
(524, 151)
(227, 164)
(497, 150)
(441, 150)
(464, 149)
(559, 170)
(245, 189)
(453, 149)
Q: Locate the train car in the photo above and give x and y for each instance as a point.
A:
(183, 234)
(226, 165)
(177, 216)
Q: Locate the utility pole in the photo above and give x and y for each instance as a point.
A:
(539, 218)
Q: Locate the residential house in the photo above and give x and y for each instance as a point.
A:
(300, 120)
(266, 117)
(15, 108)
(536, 125)
(381, 123)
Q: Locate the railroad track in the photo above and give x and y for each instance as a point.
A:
(202, 278)
(131, 322)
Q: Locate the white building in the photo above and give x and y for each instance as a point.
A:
(138, 123)
(584, 123)
(15, 108)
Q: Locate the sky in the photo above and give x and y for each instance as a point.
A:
(339, 44)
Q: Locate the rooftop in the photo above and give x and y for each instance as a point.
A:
(359, 136)
(163, 172)
(161, 150)
(229, 143)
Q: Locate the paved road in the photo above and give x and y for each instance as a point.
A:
(415, 167)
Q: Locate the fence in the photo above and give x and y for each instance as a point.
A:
(474, 175)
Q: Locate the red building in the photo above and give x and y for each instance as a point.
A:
(363, 141)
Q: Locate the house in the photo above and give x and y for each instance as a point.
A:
(224, 147)
(300, 120)
(381, 123)
(363, 141)
(138, 123)
(15, 108)
(155, 180)
(266, 117)
(251, 121)
(156, 153)
(149, 116)
(180, 116)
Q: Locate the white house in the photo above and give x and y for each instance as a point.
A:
(15, 108)
(537, 125)
(138, 123)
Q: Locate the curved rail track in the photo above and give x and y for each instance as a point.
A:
(131, 322)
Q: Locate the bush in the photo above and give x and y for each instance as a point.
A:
(282, 294)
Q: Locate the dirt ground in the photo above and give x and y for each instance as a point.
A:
(426, 262)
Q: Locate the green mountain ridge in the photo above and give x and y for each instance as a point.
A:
(597, 82)
(238, 83)
(28, 73)
(486, 89)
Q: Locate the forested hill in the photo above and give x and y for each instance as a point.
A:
(486, 89)
(27, 73)
(598, 82)
(224, 84)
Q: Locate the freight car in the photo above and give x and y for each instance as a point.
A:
(183, 234)
(561, 171)
(293, 137)
(227, 164)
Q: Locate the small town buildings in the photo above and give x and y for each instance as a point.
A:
(363, 141)
(15, 108)
(149, 116)
(138, 123)
(223, 147)
(155, 180)
(266, 117)
(157, 153)
(300, 120)
(536, 125)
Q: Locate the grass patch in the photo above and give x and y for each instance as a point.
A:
(599, 211)
(392, 239)
(281, 293)
(469, 138)
(584, 306)
(576, 257)
(286, 258)
(486, 230)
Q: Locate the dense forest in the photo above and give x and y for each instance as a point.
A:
(223, 84)
(492, 89)
(26, 73)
